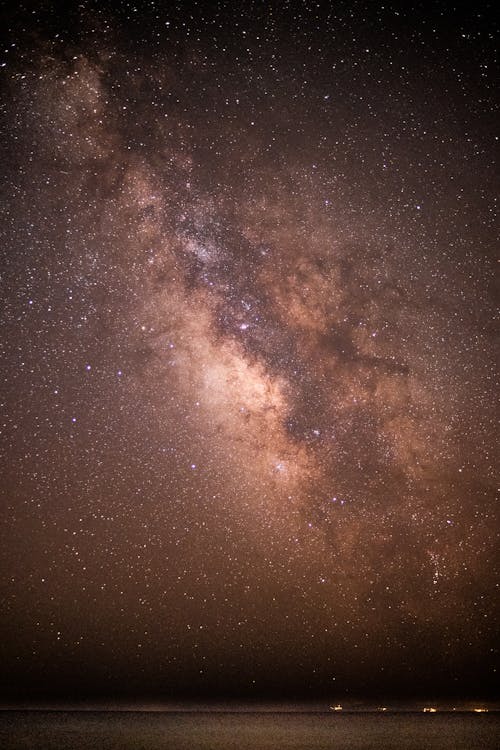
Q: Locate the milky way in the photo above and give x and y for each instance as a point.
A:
(248, 410)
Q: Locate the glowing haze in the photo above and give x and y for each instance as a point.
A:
(248, 349)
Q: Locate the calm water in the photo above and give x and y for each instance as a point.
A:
(73, 730)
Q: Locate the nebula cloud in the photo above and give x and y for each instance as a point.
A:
(248, 432)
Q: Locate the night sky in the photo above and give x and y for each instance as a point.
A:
(248, 351)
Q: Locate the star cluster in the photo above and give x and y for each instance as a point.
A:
(248, 342)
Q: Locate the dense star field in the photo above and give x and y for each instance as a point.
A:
(248, 425)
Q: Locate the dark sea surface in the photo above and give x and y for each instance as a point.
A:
(116, 730)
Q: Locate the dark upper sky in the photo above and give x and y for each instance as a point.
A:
(248, 426)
